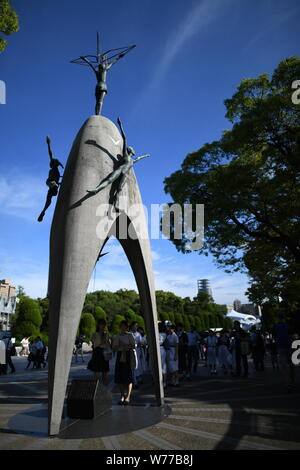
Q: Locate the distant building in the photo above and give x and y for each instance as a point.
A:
(248, 309)
(204, 286)
(7, 304)
(237, 305)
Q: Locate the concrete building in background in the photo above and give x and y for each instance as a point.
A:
(204, 286)
(7, 304)
(237, 305)
(248, 309)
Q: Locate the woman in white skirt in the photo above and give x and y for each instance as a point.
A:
(212, 342)
(172, 356)
(163, 350)
(137, 338)
(224, 356)
(141, 355)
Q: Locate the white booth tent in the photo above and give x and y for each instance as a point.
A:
(245, 320)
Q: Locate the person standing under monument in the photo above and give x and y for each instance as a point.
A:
(124, 345)
(141, 355)
(172, 357)
(182, 350)
(224, 356)
(99, 362)
(9, 352)
(192, 351)
(40, 352)
(78, 348)
(212, 342)
(138, 341)
(25, 346)
(241, 348)
(162, 335)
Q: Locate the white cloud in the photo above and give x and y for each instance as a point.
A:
(22, 195)
(196, 19)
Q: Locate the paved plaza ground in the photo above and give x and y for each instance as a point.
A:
(218, 412)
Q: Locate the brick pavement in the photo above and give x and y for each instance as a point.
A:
(218, 412)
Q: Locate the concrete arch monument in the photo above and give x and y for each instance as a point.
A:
(80, 228)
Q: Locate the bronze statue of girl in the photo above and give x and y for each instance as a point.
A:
(52, 181)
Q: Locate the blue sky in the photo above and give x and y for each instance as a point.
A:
(169, 92)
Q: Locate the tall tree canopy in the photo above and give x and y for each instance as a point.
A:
(9, 22)
(249, 183)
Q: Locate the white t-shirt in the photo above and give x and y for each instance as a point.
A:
(162, 337)
(137, 337)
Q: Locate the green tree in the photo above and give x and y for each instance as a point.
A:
(9, 22)
(44, 309)
(87, 325)
(28, 318)
(186, 323)
(269, 315)
(249, 183)
(198, 324)
(140, 321)
(227, 324)
(171, 317)
(178, 318)
(99, 314)
(130, 315)
(115, 325)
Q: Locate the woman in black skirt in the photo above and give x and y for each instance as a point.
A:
(124, 344)
(99, 362)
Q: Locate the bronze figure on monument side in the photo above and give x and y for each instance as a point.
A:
(122, 171)
(100, 64)
(52, 181)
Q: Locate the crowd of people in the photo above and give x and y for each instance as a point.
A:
(131, 357)
(35, 352)
(225, 351)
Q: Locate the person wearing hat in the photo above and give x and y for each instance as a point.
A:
(172, 357)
